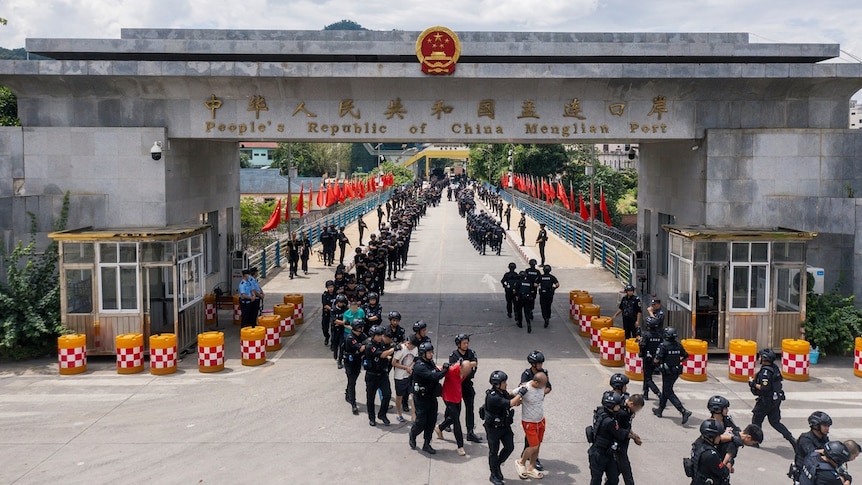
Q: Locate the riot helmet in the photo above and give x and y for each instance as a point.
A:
(716, 404)
(619, 381)
(425, 347)
(341, 298)
(329, 283)
(629, 288)
(373, 296)
(419, 326)
(547, 269)
(837, 452)
(394, 315)
(535, 357)
(512, 266)
(533, 263)
(610, 400)
(460, 338)
(358, 324)
(819, 418)
(670, 333)
(711, 428)
(497, 377)
(768, 354)
(377, 330)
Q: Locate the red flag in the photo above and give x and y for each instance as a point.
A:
(321, 201)
(571, 198)
(551, 193)
(330, 195)
(310, 192)
(361, 186)
(300, 203)
(604, 207)
(348, 190)
(274, 219)
(561, 194)
(584, 214)
(504, 180)
(340, 193)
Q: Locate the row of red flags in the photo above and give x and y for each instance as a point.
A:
(542, 188)
(330, 194)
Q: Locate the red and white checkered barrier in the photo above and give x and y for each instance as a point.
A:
(211, 356)
(695, 366)
(165, 358)
(273, 338)
(742, 367)
(237, 314)
(130, 358)
(794, 364)
(612, 352)
(211, 313)
(252, 350)
(299, 311)
(585, 321)
(287, 326)
(573, 313)
(857, 360)
(73, 358)
(634, 365)
(595, 338)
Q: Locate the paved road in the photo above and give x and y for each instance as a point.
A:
(287, 422)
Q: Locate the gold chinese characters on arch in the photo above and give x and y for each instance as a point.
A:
(531, 118)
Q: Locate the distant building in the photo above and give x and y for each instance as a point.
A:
(619, 156)
(259, 152)
(266, 185)
(855, 114)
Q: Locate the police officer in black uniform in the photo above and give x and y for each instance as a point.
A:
(377, 362)
(336, 328)
(734, 437)
(426, 381)
(669, 358)
(630, 307)
(525, 300)
(651, 339)
(498, 418)
(510, 283)
(327, 301)
(822, 468)
(420, 330)
(354, 349)
(522, 226)
(398, 332)
(604, 438)
(707, 463)
(463, 352)
(768, 388)
(541, 239)
(548, 283)
(813, 439)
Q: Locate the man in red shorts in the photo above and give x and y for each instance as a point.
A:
(533, 421)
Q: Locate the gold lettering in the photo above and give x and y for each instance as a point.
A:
(303, 109)
(528, 109)
(659, 106)
(346, 107)
(280, 128)
(486, 108)
(573, 110)
(209, 125)
(617, 109)
(440, 108)
(395, 109)
(257, 104)
(213, 104)
(530, 128)
(312, 127)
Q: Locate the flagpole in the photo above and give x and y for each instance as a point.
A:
(592, 204)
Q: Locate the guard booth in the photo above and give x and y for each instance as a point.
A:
(726, 283)
(139, 280)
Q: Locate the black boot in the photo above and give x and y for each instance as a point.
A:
(471, 436)
(685, 415)
(657, 411)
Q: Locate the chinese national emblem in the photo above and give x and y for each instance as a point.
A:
(438, 49)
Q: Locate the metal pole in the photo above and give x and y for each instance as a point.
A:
(289, 191)
(592, 205)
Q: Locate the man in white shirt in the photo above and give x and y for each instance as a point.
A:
(402, 361)
(533, 421)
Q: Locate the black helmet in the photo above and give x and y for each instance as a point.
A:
(497, 377)
(618, 381)
(392, 315)
(670, 333)
(547, 268)
(419, 325)
(837, 452)
(522, 274)
(535, 357)
(358, 323)
(611, 399)
(768, 354)
(373, 296)
(711, 428)
(652, 323)
(425, 347)
(460, 338)
(512, 266)
(533, 262)
(361, 288)
(330, 283)
(629, 288)
(341, 298)
(377, 330)
(368, 274)
(818, 418)
(717, 403)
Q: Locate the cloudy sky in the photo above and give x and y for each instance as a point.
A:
(832, 21)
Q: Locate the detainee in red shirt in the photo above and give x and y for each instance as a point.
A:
(452, 399)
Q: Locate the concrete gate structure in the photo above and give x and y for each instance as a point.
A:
(769, 122)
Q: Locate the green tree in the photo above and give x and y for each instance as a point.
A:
(540, 160)
(401, 175)
(344, 25)
(832, 322)
(30, 298)
(313, 159)
(8, 108)
(253, 216)
(244, 160)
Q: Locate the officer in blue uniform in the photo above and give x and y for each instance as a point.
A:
(247, 300)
